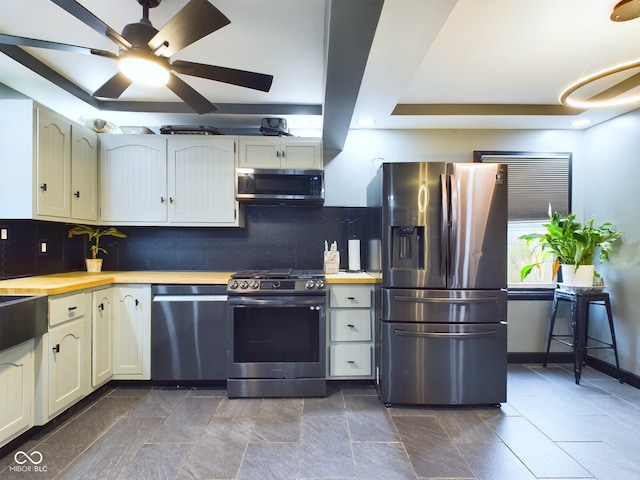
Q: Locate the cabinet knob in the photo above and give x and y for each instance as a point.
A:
(43, 187)
(56, 349)
(77, 194)
(101, 306)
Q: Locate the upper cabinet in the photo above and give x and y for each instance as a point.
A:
(41, 165)
(158, 180)
(280, 153)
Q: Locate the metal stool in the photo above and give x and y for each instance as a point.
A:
(579, 340)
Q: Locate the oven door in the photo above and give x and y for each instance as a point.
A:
(276, 337)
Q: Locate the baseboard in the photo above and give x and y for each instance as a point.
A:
(567, 357)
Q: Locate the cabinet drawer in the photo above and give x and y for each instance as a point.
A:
(63, 309)
(350, 360)
(350, 296)
(350, 325)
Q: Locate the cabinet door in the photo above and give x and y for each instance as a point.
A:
(16, 391)
(66, 364)
(84, 174)
(259, 152)
(53, 164)
(132, 332)
(133, 179)
(298, 153)
(101, 337)
(201, 180)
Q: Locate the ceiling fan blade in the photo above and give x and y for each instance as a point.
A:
(65, 47)
(88, 18)
(618, 89)
(242, 78)
(196, 20)
(114, 87)
(190, 96)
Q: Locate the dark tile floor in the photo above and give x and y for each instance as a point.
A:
(550, 428)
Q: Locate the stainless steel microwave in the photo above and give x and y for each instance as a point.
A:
(280, 187)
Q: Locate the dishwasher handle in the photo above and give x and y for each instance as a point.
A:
(190, 298)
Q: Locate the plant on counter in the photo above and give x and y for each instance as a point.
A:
(571, 242)
(94, 234)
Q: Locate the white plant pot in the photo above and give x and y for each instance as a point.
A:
(94, 264)
(582, 277)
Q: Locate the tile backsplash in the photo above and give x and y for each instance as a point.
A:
(273, 237)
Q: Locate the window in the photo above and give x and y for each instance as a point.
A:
(535, 180)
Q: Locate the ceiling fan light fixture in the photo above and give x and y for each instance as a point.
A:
(144, 70)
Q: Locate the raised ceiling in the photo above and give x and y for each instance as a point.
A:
(402, 63)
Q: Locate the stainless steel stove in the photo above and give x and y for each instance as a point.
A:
(276, 333)
(277, 282)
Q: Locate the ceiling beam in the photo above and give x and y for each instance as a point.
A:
(352, 26)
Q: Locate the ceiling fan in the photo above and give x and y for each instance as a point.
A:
(141, 43)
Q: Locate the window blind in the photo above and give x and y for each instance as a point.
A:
(534, 181)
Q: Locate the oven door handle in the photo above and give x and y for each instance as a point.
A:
(279, 301)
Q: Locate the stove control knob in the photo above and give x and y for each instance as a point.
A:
(309, 284)
(319, 283)
(254, 285)
(233, 284)
(244, 284)
(276, 284)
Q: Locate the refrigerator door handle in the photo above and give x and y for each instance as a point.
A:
(401, 298)
(445, 225)
(453, 220)
(406, 333)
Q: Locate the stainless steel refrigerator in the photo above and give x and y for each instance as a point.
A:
(437, 236)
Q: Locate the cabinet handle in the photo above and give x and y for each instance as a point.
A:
(77, 194)
(351, 362)
(101, 306)
(282, 153)
(137, 302)
(351, 298)
(56, 349)
(170, 199)
(161, 199)
(277, 153)
(71, 309)
(43, 187)
(350, 325)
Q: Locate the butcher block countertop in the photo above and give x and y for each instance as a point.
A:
(59, 283)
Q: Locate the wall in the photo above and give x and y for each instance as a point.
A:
(611, 173)
(273, 237)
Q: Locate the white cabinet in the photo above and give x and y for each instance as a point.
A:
(155, 180)
(280, 153)
(350, 331)
(132, 332)
(53, 165)
(101, 336)
(16, 391)
(84, 175)
(36, 163)
(62, 366)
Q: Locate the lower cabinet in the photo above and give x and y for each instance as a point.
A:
(132, 332)
(62, 357)
(101, 336)
(350, 331)
(16, 391)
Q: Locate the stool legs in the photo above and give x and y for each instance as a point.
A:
(607, 305)
(554, 311)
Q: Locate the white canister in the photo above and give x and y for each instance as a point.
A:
(354, 255)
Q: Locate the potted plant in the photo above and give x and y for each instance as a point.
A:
(94, 264)
(574, 246)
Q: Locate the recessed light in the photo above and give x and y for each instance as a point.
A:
(365, 122)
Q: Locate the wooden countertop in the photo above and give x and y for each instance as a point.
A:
(59, 283)
(68, 282)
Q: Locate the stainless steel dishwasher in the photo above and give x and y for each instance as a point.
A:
(189, 333)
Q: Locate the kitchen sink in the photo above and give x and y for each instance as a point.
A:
(22, 317)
